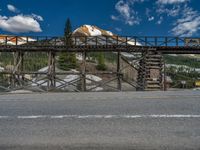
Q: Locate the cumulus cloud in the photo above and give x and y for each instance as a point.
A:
(171, 1)
(114, 17)
(151, 18)
(160, 20)
(182, 18)
(172, 11)
(126, 12)
(20, 24)
(148, 14)
(187, 20)
(188, 24)
(171, 8)
(12, 8)
(37, 17)
(118, 29)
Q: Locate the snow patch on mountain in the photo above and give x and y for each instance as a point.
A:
(109, 33)
(93, 31)
(11, 40)
(1, 69)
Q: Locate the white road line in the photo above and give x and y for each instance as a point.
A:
(4, 117)
(99, 116)
(31, 117)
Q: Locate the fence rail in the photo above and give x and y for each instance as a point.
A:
(47, 41)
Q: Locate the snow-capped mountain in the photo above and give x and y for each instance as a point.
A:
(11, 40)
(89, 30)
(92, 31)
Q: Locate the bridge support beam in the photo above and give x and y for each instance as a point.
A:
(119, 76)
(150, 74)
(51, 83)
(18, 65)
(83, 72)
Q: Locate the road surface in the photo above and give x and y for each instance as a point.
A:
(100, 121)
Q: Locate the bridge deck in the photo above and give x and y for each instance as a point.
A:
(167, 45)
(163, 49)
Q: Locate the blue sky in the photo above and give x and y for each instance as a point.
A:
(124, 17)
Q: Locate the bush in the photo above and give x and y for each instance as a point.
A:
(101, 62)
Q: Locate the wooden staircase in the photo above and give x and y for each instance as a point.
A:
(150, 71)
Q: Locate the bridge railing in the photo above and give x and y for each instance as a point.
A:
(46, 41)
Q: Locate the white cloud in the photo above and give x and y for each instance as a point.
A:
(37, 17)
(160, 20)
(188, 24)
(118, 29)
(12, 8)
(126, 12)
(20, 24)
(172, 11)
(171, 1)
(114, 17)
(151, 18)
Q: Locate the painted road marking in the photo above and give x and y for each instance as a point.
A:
(99, 116)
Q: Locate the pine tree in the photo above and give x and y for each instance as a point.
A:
(101, 62)
(67, 60)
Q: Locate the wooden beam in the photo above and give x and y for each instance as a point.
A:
(119, 84)
(83, 71)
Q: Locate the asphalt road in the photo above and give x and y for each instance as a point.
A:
(98, 121)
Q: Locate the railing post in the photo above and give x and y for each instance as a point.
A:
(126, 41)
(55, 41)
(85, 40)
(46, 41)
(75, 40)
(6, 41)
(96, 41)
(106, 41)
(16, 38)
(176, 41)
(37, 39)
(145, 41)
(27, 39)
(166, 40)
(156, 41)
(135, 41)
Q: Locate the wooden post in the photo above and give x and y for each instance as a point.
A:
(22, 65)
(15, 60)
(142, 72)
(49, 74)
(51, 71)
(164, 84)
(83, 72)
(119, 86)
(54, 69)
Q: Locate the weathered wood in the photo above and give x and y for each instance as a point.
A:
(119, 84)
(83, 72)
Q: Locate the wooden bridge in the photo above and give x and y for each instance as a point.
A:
(149, 64)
